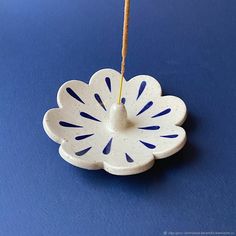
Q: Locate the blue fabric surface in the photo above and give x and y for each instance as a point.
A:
(189, 45)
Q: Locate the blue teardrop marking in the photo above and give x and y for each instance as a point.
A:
(155, 127)
(123, 100)
(99, 100)
(69, 125)
(170, 136)
(148, 105)
(128, 158)
(108, 82)
(141, 89)
(82, 152)
(74, 95)
(80, 137)
(166, 111)
(107, 148)
(148, 145)
(87, 116)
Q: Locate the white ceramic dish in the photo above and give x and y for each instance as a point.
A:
(94, 132)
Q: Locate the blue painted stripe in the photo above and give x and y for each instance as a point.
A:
(80, 137)
(166, 111)
(74, 95)
(99, 100)
(83, 152)
(128, 158)
(107, 148)
(155, 127)
(108, 82)
(69, 125)
(148, 145)
(141, 89)
(170, 136)
(87, 116)
(123, 100)
(147, 106)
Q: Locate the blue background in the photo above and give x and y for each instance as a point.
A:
(189, 45)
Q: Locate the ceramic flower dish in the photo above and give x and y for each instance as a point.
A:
(94, 132)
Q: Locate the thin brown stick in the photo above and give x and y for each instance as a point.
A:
(124, 45)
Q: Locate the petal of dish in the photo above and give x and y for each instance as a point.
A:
(141, 93)
(106, 84)
(164, 141)
(77, 97)
(86, 150)
(61, 124)
(127, 156)
(75, 94)
(84, 158)
(166, 110)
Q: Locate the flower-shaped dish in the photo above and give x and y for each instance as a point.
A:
(94, 132)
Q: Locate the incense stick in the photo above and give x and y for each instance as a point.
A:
(124, 45)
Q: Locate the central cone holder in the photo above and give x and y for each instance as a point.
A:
(118, 117)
